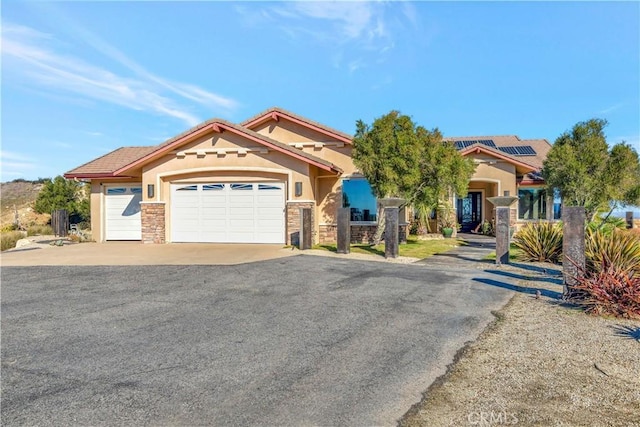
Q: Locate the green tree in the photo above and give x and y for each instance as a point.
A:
(61, 193)
(587, 173)
(400, 159)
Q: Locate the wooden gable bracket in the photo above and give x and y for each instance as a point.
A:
(274, 116)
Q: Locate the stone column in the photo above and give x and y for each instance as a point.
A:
(502, 235)
(306, 228)
(344, 230)
(391, 231)
(294, 221)
(152, 216)
(503, 224)
(573, 257)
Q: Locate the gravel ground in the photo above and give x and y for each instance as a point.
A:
(542, 363)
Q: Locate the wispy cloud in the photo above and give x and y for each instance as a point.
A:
(611, 109)
(39, 57)
(357, 27)
(15, 164)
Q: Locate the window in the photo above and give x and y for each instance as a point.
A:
(116, 190)
(188, 188)
(136, 190)
(357, 195)
(557, 204)
(213, 187)
(532, 203)
(269, 187)
(242, 186)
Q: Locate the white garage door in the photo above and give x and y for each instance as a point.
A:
(228, 213)
(122, 216)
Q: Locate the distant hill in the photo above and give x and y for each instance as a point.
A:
(19, 195)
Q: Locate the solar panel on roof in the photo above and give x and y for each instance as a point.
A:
(509, 150)
(526, 150)
(488, 142)
(519, 150)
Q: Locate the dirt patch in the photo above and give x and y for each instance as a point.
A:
(17, 198)
(541, 363)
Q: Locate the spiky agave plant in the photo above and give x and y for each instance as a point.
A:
(540, 241)
(621, 248)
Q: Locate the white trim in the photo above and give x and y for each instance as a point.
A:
(301, 201)
(152, 203)
(316, 144)
(289, 174)
(220, 152)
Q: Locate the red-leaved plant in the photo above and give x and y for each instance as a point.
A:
(608, 290)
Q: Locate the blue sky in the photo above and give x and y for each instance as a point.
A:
(81, 79)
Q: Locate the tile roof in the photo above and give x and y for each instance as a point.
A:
(110, 162)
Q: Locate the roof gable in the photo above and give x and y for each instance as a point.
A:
(276, 113)
(123, 160)
(494, 152)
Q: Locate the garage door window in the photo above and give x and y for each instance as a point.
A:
(242, 186)
(213, 187)
(111, 191)
(268, 187)
(188, 188)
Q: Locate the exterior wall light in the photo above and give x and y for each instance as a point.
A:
(150, 191)
(298, 191)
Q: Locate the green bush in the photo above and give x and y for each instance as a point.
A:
(607, 225)
(39, 230)
(9, 239)
(619, 248)
(8, 227)
(540, 242)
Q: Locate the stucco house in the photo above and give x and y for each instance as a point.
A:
(245, 183)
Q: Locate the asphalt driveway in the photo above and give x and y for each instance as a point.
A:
(302, 340)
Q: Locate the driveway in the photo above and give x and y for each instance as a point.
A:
(300, 340)
(41, 252)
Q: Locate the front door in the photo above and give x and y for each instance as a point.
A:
(470, 211)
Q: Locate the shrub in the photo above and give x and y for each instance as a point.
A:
(9, 239)
(84, 225)
(42, 230)
(540, 241)
(620, 248)
(8, 227)
(606, 225)
(608, 290)
(81, 236)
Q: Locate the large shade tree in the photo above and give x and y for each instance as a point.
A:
(400, 159)
(588, 173)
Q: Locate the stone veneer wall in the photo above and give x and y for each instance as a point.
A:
(293, 221)
(359, 233)
(153, 222)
